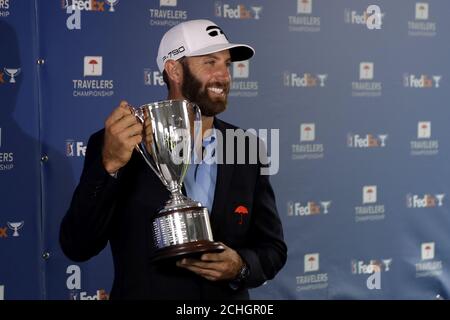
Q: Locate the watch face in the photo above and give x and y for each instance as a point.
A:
(244, 273)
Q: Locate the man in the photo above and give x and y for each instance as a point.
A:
(118, 193)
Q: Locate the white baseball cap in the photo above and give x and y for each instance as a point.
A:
(196, 38)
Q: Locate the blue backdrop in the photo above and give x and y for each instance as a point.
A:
(360, 100)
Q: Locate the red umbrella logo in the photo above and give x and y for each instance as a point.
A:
(241, 210)
(93, 63)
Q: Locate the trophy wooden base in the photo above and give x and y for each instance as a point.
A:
(187, 250)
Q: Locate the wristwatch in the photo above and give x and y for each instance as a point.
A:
(243, 274)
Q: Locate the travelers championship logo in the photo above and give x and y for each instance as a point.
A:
(6, 156)
(308, 148)
(167, 14)
(428, 266)
(73, 9)
(5, 6)
(422, 25)
(88, 87)
(424, 145)
(312, 278)
(242, 84)
(366, 87)
(371, 210)
(304, 20)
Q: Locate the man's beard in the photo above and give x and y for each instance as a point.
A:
(193, 91)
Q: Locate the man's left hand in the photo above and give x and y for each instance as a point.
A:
(215, 266)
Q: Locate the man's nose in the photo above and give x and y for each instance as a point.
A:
(223, 73)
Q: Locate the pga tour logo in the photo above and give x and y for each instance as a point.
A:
(153, 78)
(75, 148)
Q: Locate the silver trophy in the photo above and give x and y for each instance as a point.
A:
(111, 5)
(182, 226)
(12, 73)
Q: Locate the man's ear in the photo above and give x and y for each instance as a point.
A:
(174, 71)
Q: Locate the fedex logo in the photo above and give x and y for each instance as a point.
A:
(427, 201)
(366, 141)
(360, 267)
(75, 148)
(238, 12)
(422, 81)
(305, 80)
(309, 208)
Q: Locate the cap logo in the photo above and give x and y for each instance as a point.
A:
(214, 31)
(172, 54)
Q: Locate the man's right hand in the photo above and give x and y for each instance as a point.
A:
(122, 132)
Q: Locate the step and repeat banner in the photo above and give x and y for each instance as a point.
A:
(359, 91)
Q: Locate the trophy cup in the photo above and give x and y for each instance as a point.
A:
(12, 73)
(15, 226)
(182, 226)
(111, 5)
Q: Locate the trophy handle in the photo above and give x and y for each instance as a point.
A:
(139, 114)
(197, 130)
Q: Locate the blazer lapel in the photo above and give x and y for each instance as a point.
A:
(224, 175)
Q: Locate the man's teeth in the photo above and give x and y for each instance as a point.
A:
(216, 90)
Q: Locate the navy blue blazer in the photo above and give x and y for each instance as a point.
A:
(120, 210)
